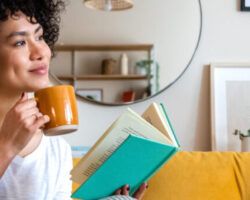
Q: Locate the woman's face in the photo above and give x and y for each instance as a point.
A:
(24, 55)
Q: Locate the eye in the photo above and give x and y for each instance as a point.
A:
(40, 38)
(20, 43)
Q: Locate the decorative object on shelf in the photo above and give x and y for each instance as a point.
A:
(95, 94)
(149, 68)
(108, 66)
(230, 103)
(245, 5)
(124, 64)
(107, 76)
(128, 96)
(109, 5)
(142, 67)
(245, 139)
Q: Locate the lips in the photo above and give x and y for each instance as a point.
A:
(41, 70)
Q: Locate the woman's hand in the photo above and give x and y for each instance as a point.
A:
(137, 195)
(20, 124)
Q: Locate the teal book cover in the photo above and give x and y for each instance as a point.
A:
(133, 163)
(164, 110)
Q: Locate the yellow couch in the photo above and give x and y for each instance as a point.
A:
(202, 176)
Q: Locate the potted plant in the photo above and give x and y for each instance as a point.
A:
(143, 67)
(151, 69)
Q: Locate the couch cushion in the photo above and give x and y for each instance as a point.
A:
(202, 176)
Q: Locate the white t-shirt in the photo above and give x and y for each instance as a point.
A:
(118, 197)
(42, 175)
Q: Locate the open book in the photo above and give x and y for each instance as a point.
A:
(130, 151)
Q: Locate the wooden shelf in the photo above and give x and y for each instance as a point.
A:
(74, 51)
(117, 47)
(105, 77)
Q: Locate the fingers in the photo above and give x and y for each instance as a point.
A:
(139, 193)
(24, 97)
(20, 124)
(39, 115)
(123, 191)
(41, 121)
(118, 192)
(26, 112)
(30, 112)
(24, 108)
(25, 105)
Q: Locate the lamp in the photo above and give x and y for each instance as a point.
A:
(109, 5)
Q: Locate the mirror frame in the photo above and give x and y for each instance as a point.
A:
(159, 92)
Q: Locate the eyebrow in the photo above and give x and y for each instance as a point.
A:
(22, 33)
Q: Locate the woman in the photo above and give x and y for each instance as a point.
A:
(32, 166)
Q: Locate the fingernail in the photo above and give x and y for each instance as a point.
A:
(128, 188)
(46, 118)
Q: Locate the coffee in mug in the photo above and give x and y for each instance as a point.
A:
(59, 103)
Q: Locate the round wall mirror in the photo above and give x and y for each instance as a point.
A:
(122, 57)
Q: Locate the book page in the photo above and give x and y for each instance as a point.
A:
(153, 116)
(128, 123)
(97, 162)
(144, 129)
(103, 148)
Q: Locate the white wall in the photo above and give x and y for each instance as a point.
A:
(226, 38)
(172, 26)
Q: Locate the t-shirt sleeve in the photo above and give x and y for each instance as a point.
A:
(64, 183)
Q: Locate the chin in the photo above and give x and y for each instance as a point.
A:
(39, 85)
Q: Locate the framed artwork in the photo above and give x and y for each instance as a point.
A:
(245, 5)
(230, 104)
(92, 94)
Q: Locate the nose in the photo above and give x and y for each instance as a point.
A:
(36, 51)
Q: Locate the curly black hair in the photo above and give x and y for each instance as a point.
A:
(44, 12)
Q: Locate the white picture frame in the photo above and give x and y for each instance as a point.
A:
(245, 5)
(230, 104)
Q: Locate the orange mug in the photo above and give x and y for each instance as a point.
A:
(59, 103)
